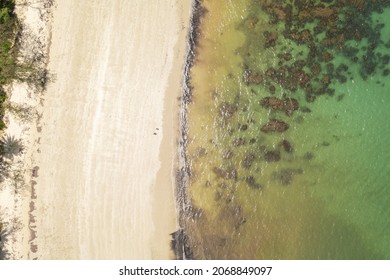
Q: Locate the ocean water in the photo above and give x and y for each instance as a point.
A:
(288, 131)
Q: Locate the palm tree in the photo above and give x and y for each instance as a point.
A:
(10, 147)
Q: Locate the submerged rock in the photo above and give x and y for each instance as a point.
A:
(287, 105)
(180, 245)
(228, 174)
(286, 175)
(287, 56)
(253, 78)
(200, 152)
(228, 155)
(270, 38)
(308, 156)
(305, 109)
(326, 56)
(248, 160)
(272, 156)
(227, 110)
(243, 127)
(251, 181)
(286, 145)
(274, 125)
(238, 142)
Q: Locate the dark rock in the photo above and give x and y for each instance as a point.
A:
(302, 77)
(253, 78)
(287, 105)
(238, 142)
(326, 80)
(305, 109)
(251, 181)
(305, 36)
(227, 110)
(228, 155)
(286, 175)
(272, 156)
(200, 152)
(315, 68)
(228, 174)
(308, 156)
(270, 72)
(330, 91)
(272, 89)
(277, 12)
(286, 145)
(248, 160)
(180, 244)
(310, 98)
(316, 12)
(251, 22)
(270, 38)
(243, 127)
(326, 56)
(341, 78)
(299, 64)
(287, 56)
(274, 125)
(325, 144)
(342, 68)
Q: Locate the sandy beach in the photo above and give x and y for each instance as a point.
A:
(107, 136)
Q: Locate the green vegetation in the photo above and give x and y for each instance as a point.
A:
(9, 28)
(22, 59)
(8, 50)
(28, 67)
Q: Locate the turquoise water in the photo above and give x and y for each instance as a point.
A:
(319, 187)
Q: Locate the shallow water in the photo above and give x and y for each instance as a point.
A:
(318, 190)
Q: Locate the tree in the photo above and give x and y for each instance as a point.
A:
(10, 147)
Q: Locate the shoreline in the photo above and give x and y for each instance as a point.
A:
(181, 242)
(169, 143)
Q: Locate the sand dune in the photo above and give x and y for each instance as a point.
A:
(105, 135)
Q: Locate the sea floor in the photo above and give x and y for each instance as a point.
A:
(288, 131)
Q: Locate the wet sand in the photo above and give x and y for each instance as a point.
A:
(105, 187)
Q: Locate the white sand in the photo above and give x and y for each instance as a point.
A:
(97, 193)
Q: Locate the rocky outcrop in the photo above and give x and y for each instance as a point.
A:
(274, 125)
(287, 105)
